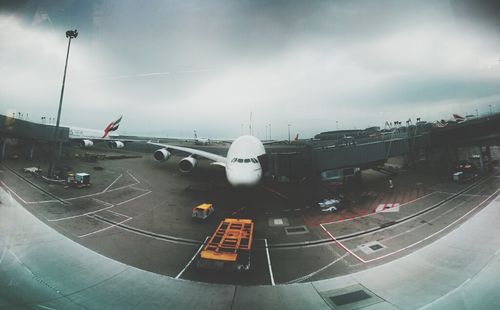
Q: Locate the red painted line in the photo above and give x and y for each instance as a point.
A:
(396, 197)
(342, 214)
(343, 246)
(353, 214)
(407, 197)
(275, 192)
(378, 201)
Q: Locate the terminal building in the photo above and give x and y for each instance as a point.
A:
(330, 156)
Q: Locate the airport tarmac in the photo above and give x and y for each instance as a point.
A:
(138, 212)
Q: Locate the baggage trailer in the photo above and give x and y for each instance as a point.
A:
(229, 247)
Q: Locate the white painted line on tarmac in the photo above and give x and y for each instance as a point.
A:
(79, 215)
(133, 177)
(105, 228)
(117, 213)
(134, 198)
(112, 183)
(42, 201)
(471, 195)
(269, 263)
(45, 307)
(139, 189)
(308, 276)
(373, 213)
(102, 202)
(413, 244)
(3, 254)
(342, 246)
(192, 259)
(12, 191)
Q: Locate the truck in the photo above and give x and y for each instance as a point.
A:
(202, 211)
(229, 247)
(79, 180)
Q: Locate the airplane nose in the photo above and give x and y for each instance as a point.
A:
(243, 178)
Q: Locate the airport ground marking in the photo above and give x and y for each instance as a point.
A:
(112, 183)
(269, 263)
(45, 307)
(275, 192)
(103, 202)
(133, 177)
(105, 228)
(192, 259)
(117, 213)
(134, 198)
(79, 215)
(312, 274)
(343, 246)
(421, 225)
(5, 248)
(13, 192)
(101, 193)
(413, 244)
(370, 214)
(140, 189)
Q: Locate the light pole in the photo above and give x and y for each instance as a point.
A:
(270, 132)
(288, 133)
(70, 34)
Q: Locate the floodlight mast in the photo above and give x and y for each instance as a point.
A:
(70, 34)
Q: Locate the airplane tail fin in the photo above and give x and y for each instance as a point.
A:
(113, 126)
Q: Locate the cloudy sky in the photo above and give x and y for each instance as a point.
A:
(171, 67)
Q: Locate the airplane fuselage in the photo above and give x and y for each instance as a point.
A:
(85, 133)
(242, 166)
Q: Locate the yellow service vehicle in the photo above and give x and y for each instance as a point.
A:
(229, 247)
(202, 211)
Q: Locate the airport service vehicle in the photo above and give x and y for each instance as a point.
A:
(79, 180)
(36, 171)
(243, 168)
(229, 247)
(203, 211)
(329, 209)
(328, 203)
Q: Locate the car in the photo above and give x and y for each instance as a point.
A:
(329, 209)
(328, 202)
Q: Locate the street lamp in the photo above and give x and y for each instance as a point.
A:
(70, 34)
(288, 133)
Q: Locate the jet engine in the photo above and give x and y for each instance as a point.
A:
(187, 164)
(161, 154)
(116, 144)
(86, 143)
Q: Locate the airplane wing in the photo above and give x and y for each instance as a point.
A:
(218, 160)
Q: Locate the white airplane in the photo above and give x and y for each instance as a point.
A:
(243, 168)
(86, 137)
(200, 141)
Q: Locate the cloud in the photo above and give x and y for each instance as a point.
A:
(174, 67)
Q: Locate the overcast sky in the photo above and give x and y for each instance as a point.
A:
(171, 67)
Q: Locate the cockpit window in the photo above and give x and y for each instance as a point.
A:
(247, 160)
(240, 160)
(234, 160)
(255, 160)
